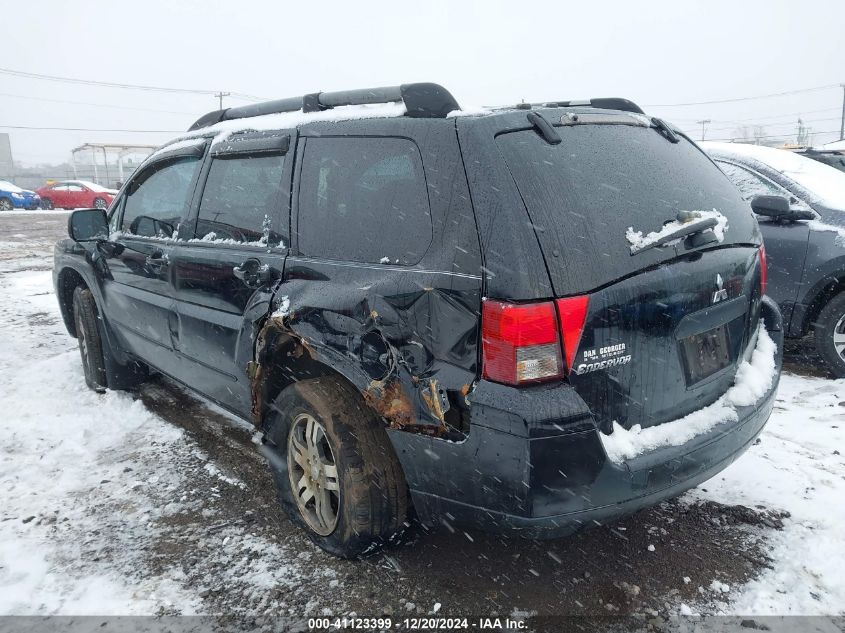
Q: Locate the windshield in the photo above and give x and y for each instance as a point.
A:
(825, 184)
(5, 185)
(93, 186)
(604, 183)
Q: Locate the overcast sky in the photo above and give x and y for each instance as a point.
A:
(484, 52)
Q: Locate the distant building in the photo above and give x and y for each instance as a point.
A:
(6, 164)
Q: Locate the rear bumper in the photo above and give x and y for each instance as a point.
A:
(534, 463)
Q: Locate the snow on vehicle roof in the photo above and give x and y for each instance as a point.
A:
(5, 185)
(835, 145)
(188, 142)
(288, 120)
(825, 183)
(93, 186)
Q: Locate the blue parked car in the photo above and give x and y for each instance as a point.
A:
(13, 197)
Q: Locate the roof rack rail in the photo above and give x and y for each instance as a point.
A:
(604, 103)
(422, 100)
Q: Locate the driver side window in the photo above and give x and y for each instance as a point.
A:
(157, 199)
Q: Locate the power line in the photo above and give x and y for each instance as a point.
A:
(97, 105)
(734, 138)
(735, 99)
(757, 118)
(109, 84)
(86, 129)
(780, 124)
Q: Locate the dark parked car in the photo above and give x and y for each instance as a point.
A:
(832, 157)
(528, 320)
(805, 239)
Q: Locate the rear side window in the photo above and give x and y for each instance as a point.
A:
(749, 183)
(240, 200)
(363, 200)
(158, 198)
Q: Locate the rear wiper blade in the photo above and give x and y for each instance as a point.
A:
(688, 225)
(544, 128)
(665, 130)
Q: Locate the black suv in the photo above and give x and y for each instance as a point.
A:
(531, 319)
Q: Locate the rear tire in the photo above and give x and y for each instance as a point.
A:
(6, 204)
(829, 335)
(47, 204)
(352, 464)
(88, 335)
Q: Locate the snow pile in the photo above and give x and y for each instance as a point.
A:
(753, 380)
(639, 242)
(797, 467)
(825, 183)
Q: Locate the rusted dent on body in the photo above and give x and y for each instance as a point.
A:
(388, 396)
(388, 399)
(269, 340)
(431, 398)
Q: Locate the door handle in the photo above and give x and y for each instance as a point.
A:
(156, 261)
(253, 273)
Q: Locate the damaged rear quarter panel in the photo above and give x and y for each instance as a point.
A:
(406, 336)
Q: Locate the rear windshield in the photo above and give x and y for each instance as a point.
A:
(584, 193)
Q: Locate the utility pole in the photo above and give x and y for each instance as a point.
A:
(842, 124)
(220, 96)
(703, 122)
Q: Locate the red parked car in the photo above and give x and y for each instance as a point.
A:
(75, 194)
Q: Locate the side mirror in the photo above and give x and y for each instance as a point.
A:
(88, 225)
(779, 208)
(770, 206)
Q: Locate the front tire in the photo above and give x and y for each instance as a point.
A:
(829, 334)
(100, 203)
(46, 204)
(337, 474)
(88, 335)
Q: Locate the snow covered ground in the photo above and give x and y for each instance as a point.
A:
(158, 503)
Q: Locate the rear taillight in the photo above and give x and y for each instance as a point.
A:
(573, 314)
(763, 272)
(520, 342)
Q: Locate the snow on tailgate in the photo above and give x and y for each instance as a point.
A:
(752, 381)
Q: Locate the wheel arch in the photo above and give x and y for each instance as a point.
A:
(817, 299)
(281, 360)
(67, 281)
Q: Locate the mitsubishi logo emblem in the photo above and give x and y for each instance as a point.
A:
(720, 293)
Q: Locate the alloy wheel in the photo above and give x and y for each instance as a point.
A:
(839, 336)
(313, 474)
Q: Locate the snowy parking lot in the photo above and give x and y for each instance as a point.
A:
(158, 503)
